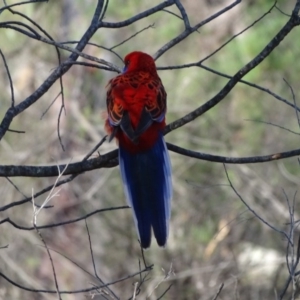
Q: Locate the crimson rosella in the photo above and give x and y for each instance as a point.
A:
(136, 105)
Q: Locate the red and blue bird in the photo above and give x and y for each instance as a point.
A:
(136, 106)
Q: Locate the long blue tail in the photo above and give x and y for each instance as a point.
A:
(148, 187)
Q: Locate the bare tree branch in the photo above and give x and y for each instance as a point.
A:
(30, 228)
(79, 291)
(57, 73)
(137, 17)
(9, 79)
(189, 30)
(253, 211)
(293, 21)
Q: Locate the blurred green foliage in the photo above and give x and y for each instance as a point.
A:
(210, 226)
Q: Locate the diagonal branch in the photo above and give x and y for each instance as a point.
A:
(56, 74)
(137, 17)
(287, 28)
(189, 30)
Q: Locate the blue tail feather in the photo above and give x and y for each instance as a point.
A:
(148, 187)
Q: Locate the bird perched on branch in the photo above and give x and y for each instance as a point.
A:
(136, 106)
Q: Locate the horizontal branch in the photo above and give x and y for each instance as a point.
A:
(110, 160)
(147, 269)
(30, 228)
(233, 160)
(104, 161)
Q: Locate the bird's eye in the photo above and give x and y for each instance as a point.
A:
(126, 65)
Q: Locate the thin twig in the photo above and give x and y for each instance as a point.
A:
(9, 79)
(132, 36)
(93, 261)
(137, 17)
(294, 100)
(252, 210)
(34, 220)
(294, 21)
(51, 261)
(86, 216)
(20, 3)
(275, 125)
(164, 293)
(61, 182)
(189, 30)
(219, 291)
(236, 35)
(256, 86)
(172, 13)
(51, 195)
(84, 290)
(16, 131)
(134, 290)
(62, 108)
(98, 46)
(47, 109)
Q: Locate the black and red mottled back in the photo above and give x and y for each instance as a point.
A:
(136, 106)
(139, 93)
